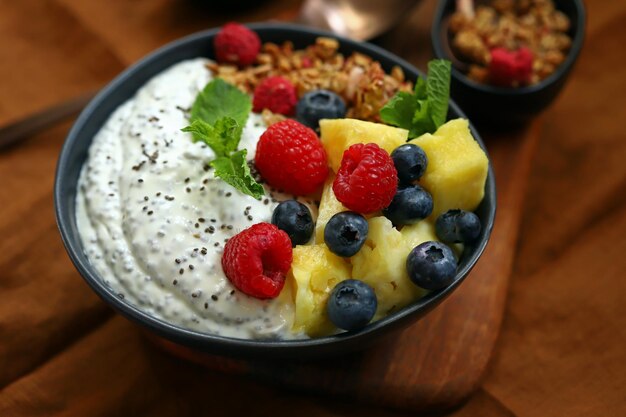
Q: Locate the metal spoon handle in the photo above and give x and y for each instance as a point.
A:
(21, 129)
(356, 19)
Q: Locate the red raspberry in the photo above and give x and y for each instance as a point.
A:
(257, 259)
(276, 94)
(510, 68)
(236, 44)
(290, 157)
(367, 178)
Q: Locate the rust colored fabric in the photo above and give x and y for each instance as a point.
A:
(562, 348)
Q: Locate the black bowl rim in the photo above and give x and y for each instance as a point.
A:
(227, 344)
(555, 77)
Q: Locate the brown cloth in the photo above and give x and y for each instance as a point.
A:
(562, 348)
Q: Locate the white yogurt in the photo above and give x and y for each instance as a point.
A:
(154, 220)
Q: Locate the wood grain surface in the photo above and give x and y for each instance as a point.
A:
(561, 349)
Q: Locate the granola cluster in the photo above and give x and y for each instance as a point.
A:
(510, 24)
(358, 79)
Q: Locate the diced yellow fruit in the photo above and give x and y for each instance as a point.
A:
(420, 232)
(381, 263)
(329, 206)
(314, 273)
(457, 248)
(424, 231)
(457, 167)
(337, 135)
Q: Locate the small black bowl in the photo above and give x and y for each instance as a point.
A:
(74, 153)
(500, 105)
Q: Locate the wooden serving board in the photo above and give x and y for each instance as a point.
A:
(438, 362)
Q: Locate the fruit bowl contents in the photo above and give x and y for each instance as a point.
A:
(510, 43)
(280, 193)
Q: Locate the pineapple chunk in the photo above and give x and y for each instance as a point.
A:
(420, 232)
(424, 231)
(457, 167)
(314, 273)
(381, 263)
(337, 135)
(329, 206)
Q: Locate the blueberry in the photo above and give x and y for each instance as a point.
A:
(457, 226)
(295, 219)
(345, 233)
(431, 265)
(319, 104)
(351, 304)
(410, 204)
(410, 161)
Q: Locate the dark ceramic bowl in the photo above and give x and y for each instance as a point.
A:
(74, 153)
(500, 105)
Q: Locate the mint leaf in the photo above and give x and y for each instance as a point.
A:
(422, 121)
(235, 171)
(420, 88)
(223, 137)
(229, 130)
(220, 99)
(204, 132)
(438, 90)
(424, 110)
(399, 110)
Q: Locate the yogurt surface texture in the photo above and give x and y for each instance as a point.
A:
(153, 219)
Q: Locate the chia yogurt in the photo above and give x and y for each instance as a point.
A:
(153, 219)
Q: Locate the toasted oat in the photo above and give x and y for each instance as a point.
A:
(270, 118)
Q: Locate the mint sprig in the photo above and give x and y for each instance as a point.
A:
(222, 137)
(235, 171)
(218, 116)
(426, 109)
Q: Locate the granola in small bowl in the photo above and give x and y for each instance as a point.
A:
(510, 43)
